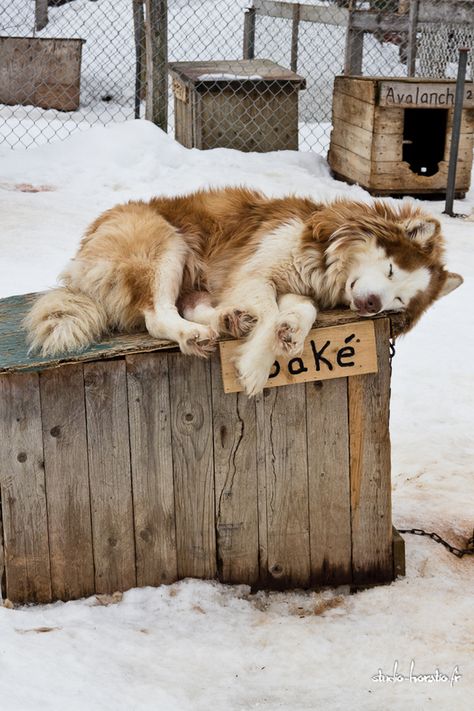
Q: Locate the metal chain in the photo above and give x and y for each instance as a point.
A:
(391, 342)
(459, 552)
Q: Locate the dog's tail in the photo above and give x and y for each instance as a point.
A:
(63, 320)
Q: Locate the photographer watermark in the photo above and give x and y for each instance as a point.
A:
(436, 677)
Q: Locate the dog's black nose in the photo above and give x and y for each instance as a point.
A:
(373, 304)
(369, 304)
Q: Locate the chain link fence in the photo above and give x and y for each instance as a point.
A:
(254, 75)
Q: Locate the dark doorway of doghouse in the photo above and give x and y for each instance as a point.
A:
(424, 139)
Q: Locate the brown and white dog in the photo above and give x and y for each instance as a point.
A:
(234, 261)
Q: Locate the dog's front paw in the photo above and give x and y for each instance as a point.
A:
(289, 337)
(252, 376)
(236, 322)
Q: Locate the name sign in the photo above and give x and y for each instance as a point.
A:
(333, 352)
(429, 95)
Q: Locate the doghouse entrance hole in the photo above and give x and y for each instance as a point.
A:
(424, 139)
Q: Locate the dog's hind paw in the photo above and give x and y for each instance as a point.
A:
(201, 343)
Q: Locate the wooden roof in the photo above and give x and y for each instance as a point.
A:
(225, 72)
(14, 354)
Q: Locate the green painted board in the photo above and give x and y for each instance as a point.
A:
(14, 348)
(14, 354)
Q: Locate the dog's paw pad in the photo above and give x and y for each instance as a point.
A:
(238, 323)
(289, 339)
(200, 344)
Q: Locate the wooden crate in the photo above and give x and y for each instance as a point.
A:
(393, 136)
(127, 465)
(249, 105)
(40, 72)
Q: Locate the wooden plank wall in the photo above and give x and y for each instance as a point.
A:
(141, 471)
(54, 83)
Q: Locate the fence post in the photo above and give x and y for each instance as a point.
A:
(138, 22)
(412, 30)
(456, 131)
(249, 34)
(156, 40)
(41, 14)
(295, 26)
(354, 50)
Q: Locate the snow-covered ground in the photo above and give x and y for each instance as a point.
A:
(200, 645)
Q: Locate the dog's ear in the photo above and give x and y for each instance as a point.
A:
(451, 283)
(421, 229)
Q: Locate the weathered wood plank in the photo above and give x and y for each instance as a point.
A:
(369, 403)
(329, 484)
(398, 547)
(321, 14)
(393, 176)
(248, 119)
(358, 140)
(264, 575)
(287, 487)
(361, 88)
(152, 468)
(41, 14)
(399, 176)
(348, 164)
(354, 111)
(14, 354)
(25, 522)
(3, 591)
(236, 483)
(193, 466)
(456, 12)
(354, 50)
(109, 473)
(55, 81)
(156, 53)
(389, 121)
(67, 482)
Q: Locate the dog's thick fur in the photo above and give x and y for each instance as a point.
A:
(233, 260)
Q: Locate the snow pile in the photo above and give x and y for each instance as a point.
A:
(200, 645)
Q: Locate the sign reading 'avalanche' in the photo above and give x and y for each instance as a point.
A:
(423, 94)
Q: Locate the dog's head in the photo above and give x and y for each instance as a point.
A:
(387, 259)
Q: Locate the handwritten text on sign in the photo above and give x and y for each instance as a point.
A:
(334, 352)
(430, 95)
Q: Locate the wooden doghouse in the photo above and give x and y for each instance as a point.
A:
(41, 72)
(393, 136)
(249, 105)
(128, 464)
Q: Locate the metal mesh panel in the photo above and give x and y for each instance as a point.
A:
(438, 49)
(246, 105)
